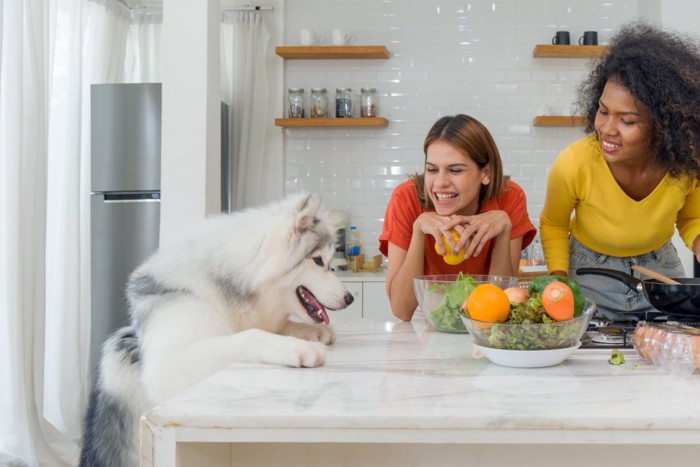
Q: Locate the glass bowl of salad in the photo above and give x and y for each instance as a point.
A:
(440, 296)
(530, 328)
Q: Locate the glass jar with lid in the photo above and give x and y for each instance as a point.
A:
(296, 102)
(318, 103)
(343, 103)
(368, 102)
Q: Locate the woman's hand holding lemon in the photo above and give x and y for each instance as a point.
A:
(450, 257)
(480, 229)
(469, 233)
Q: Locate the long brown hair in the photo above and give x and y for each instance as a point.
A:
(472, 138)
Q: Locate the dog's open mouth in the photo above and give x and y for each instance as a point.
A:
(313, 307)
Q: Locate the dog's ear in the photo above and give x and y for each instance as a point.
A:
(307, 208)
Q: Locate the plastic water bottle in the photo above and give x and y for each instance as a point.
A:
(353, 243)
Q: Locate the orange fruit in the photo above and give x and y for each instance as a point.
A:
(450, 257)
(488, 302)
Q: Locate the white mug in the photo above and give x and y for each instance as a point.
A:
(309, 37)
(340, 37)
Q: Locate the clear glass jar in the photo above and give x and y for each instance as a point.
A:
(368, 102)
(343, 103)
(318, 103)
(296, 102)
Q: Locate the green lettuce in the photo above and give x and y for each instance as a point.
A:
(445, 316)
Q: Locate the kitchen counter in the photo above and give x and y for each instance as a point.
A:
(363, 276)
(395, 393)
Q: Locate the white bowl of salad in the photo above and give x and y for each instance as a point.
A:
(440, 296)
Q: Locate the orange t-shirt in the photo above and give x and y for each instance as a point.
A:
(404, 208)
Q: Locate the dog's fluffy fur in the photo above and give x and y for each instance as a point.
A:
(222, 294)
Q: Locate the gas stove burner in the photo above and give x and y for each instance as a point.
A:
(608, 335)
(599, 322)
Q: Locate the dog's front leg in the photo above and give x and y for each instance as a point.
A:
(170, 367)
(310, 332)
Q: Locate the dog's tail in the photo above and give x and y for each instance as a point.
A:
(111, 425)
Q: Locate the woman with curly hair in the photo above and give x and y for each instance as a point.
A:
(636, 175)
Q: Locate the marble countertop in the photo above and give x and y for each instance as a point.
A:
(403, 382)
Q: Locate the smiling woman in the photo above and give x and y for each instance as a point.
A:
(639, 167)
(463, 200)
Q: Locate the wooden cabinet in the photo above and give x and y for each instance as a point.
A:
(347, 52)
(565, 51)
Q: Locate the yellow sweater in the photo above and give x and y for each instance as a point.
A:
(605, 219)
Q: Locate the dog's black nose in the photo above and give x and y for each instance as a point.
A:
(349, 298)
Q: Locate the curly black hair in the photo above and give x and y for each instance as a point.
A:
(661, 70)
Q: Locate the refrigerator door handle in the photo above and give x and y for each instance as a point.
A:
(147, 197)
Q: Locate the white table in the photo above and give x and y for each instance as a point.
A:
(394, 393)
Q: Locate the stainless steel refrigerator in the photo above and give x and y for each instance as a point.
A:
(125, 199)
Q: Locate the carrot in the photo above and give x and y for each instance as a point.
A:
(558, 301)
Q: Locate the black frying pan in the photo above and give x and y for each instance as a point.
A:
(676, 300)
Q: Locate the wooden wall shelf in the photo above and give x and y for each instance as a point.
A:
(559, 120)
(331, 122)
(326, 52)
(568, 51)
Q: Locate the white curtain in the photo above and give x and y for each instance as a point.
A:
(143, 54)
(50, 53)
(23, 140)
(244, 82)
(52, 50)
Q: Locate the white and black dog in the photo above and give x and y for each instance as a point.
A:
(222, 294)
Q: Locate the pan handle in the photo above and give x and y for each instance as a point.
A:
(627, 279)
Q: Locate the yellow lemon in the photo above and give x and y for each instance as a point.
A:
(451, 258)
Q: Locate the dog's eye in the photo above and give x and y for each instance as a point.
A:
(318, 260)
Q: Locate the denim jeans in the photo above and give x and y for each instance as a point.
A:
(614, 299)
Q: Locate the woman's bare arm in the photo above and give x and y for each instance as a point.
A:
(404, 265)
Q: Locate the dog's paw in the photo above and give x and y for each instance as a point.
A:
(304, 354)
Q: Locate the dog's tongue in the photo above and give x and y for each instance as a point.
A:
(313, 306)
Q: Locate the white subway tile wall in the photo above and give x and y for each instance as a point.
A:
(446, 57)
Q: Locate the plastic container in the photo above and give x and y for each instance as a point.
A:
(354, 246)
(672, 346)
